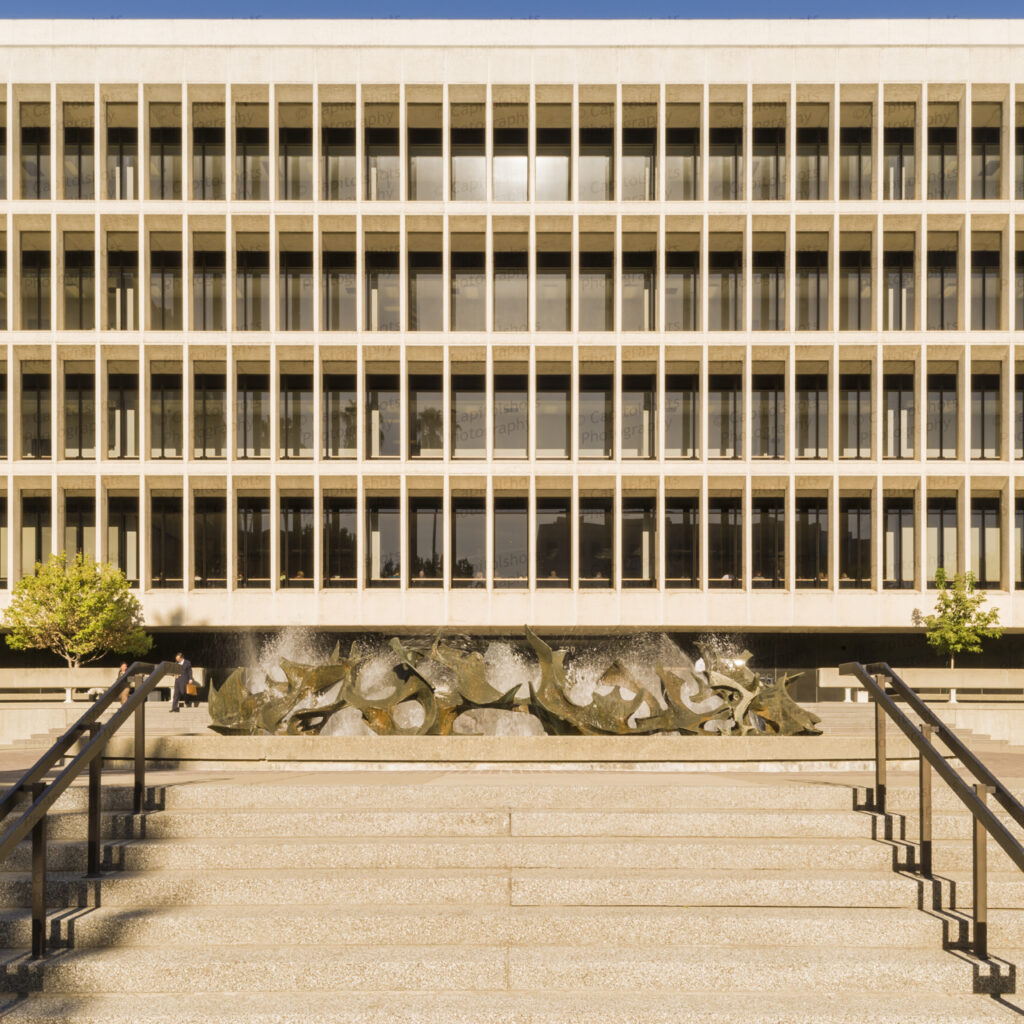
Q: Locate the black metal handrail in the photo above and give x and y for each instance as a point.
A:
(44, 794)
(875, 678)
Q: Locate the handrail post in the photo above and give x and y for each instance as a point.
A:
(95, 807)
(38, 879)
(138, 798)
(880, 750)
(924, 782)
(980, 878)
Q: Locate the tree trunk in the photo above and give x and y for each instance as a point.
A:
(951, 660)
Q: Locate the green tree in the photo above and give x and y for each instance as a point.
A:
(958, 622)
(77, 608)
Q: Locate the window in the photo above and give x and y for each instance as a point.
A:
(855, 291)
(811, 542)
(942, 540)
(80, 525)
(36, 541)
(511, 543)
(426, 292)
(469, 416)
(338, 151)
(682, 151)
(942, 291)
(768, 416)
(296, 526)
(854, 543)
(639, 291)
(596, 412)
(637, 437)
(682, 291)
(253, 542)
(597, 152)
(165, 543)
(296, 416)
(768, 279)
(35, 151)
(252, 290)
(597, 291)
(122, 289)
(554, 543)
(511, 416)
(165, 433)
(426, 157)
(79, 177)
(339, 291)
(209, 423)
(552, 411)
(211, 542)
(639, 151)
(682, 543)
(898, 314)
(725, 542)
(295, 151)
(898, 394)
(639, 557)
(898, 169)
(812, 290)
(725, 416)
(469, 542)
(383, 169)
(468, 152)
(768, 543)
(812, 151)
(986, 158)
(986, 415)
(511, 291)
(383, 281)
(811, 416)
(165, 153)
(854, 416)
(554, 152)
(252, 422)
(123, 536)
(35, 416)
(943, 162)
(426, 542)
(595, 543)
(383, 408)
(986, 291)
(898, 517)
(3, 415)
(208, 291)
(855, 151)
(469, 291)
(79, 416)
(553, 291)
(942, 416)
(986, 552)
(339, 542)
(207, 151)
(339, 411)
(511, 157)
(682, 416)
(79, 290)
(35, 290)
(123, 416)
(768, 166)
(725, 155)
(295, 287)
(165, 291)
(426, 416)
(725, 291)
(122, 151)
(252, 157)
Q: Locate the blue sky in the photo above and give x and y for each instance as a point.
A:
(509, 9)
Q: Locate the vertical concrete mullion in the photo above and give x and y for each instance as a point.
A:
(921, 519)
(617, 148)
(617, 410)
(834, 371)
(187, 507)
(361, 395)
(791, 128)
(143, 556)
(789, 272)
(834, 518)
(231, 396)
(231, 532)
(317, 271)
(963, 526)
(617, 535)
(921, 147)
(834, 273)
(659, 192)
(404, 521)
(489, 404)
(358, 119)
(531, 539)
(403, 411)
(272, 148)
(921, 403)
(489, 144)
(835, 122)
(318, 532)
(446, 152)
(574, 145)
(274, 368)
(489, 533)
(574, 406)
(747, 517)
(617, 281)
(705, 149)
(318, 405)
(877, 391)
(878, 295)
(404, 188)
(878, 533)
(748, 150)
(574, 276)
(446, 391)
(446, 530)
(790, 521)
(878, 145)
(574, 534)
(56, 152)
(702, 270)
(229, 234)
(746, 276)
(531, 271)
(488, 275)
(702, 399)
(965, 189)
(14, 187)
(318, 188)
(360, 261)
(702, 528)
(362, 524)
(660, 523)
(964, 269)
(789, 446)
(531, 164)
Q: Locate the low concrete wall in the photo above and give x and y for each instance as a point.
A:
(20, 721)
(956, 680)
(72, 683)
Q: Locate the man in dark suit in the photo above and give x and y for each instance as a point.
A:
(184, 677)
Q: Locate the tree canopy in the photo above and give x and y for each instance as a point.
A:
(958, 623)
(77, 608)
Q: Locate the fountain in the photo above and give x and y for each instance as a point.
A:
(462, 685)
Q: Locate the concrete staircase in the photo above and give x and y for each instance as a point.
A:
(529, 897)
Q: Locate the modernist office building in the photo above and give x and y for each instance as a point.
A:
(591, 325)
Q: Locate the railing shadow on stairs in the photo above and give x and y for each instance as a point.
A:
(937, 895)
(44, 794)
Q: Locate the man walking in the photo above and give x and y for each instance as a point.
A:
(184, 677)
